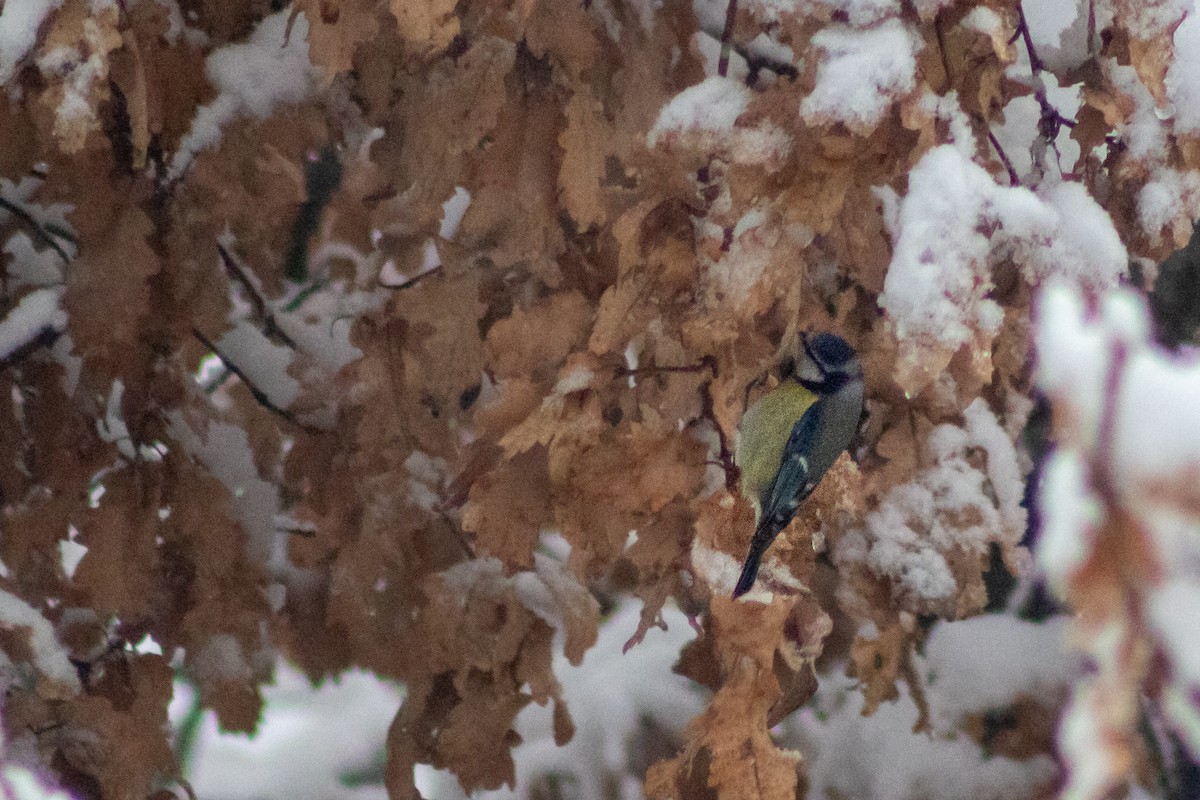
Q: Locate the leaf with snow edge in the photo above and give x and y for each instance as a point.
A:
(252, 79)
(19, 27)
(74, 62)
(862, 74)
(59, 680)
(703, 118)
(930, 535)
(936, 293)
(559, 599)
(35, 314)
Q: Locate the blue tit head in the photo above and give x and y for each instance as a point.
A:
(827, 363)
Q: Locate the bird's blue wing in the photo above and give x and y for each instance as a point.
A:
(793, 482)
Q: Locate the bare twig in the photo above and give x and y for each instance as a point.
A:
(46, 337)
(727, 37)
(1013, 179)
(261, 309)
(39, 233)
(413, 281)
(259, 394)
(1051, 121)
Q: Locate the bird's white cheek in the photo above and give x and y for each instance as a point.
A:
(809, 372)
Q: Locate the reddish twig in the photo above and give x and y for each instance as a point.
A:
(727, 38)
(1013, 179)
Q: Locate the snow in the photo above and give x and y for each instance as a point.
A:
(71, 551)
(714, 104)
(703, 117)
(252, 78)
(37, 312)
(862, 73)
(1148, 20)
(19, 783)
(610, 696)
(1141, 129)
(937, 284)
(1074, 351)
(264, 362)
(1170, 196)
(1049, 20)
(309, 738)
(1004, 475)
(19, 24)
(453, 211)
(1083, 247)
(949, 506)
(1154, 443)
(1174, 609)
(1070, 516)
(986, 662)
(49, 657)
(225, 451)
(427, 477)
(720, 570)
(1183, 90)
(850, 755)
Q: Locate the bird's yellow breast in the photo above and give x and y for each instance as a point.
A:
(763, 434)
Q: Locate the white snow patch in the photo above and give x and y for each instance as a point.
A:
(19, 24)
(988, 661)
(918, 523)
(1183, 89)
(252, 79)
(37, 312)
(308, 739)
(937, 285)
(264, 363)
(851, 755)
(862, 73)
(49, 656)
(713, 105)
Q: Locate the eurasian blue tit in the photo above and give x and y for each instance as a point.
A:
(791, 436)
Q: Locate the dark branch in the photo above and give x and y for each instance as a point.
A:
(727, 37)
(39, 233)
(1013, 179)
(259, 394)
(261, 309)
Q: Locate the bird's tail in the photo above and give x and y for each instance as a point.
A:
(768, 528)
(749, 574)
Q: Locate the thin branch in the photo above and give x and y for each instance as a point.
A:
(627, 372)
(1013, 179)
(259, 394)
(413, 281)
(261, 309)
(46, 337)
(39, 233)
(709, 363)
(1051, 120)
(727, 37)
(1035, 62)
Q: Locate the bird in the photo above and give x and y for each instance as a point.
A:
(790, 437)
